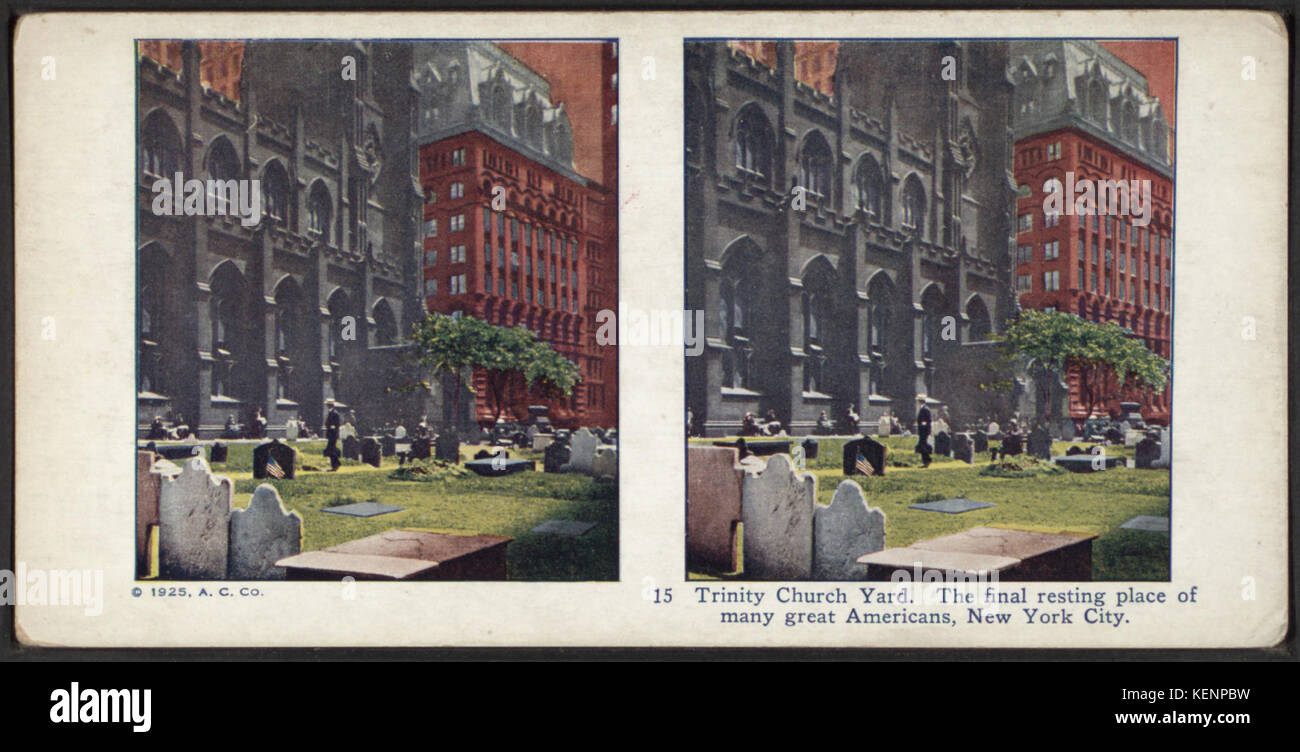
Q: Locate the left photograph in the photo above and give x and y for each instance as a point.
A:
(368, 280)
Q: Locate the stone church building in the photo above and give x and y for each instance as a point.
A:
(852, 250)
(312, 302)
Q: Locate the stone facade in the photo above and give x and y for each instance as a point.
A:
(839, 295)
(311, 302)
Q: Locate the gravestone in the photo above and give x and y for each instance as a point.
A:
(882, 426)
(351, 448)
(291, 432)
(283, 455)
(541, 441)
(1146, 453)
(871, 450)
(563, 435)
(583, 450)
(363, 509)
(347, 430)
(1067, 429)
(387, 446)
(943, 444)
(843, 531)
(1132, 438)
(148, 485)
(713, 510)
(981, 442)
(497, 465)
(810, 448)
(951, 506)
(371, 452)
(1011, 444)
(447, 448)
(1040, 443)
(961, 448)
(1113, 435)
(194, 523)
(1075, 449)
(217, 453)
(262, 534)
(777, 514)
(564, 528)
(605, 464)
(557, 456)
(1148, 523)
(176, 452)
(420, 449)
(1165, 450)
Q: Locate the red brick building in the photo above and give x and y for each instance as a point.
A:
(1084, 114)
(512, 234)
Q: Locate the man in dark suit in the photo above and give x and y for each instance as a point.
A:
(332, 422)
(923, 430)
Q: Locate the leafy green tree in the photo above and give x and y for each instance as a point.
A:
(1108, 361)
(507, 355)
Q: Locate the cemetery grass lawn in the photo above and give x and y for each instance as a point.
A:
(510, 505)
(1095, 503)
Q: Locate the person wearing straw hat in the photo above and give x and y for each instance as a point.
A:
(923, 430)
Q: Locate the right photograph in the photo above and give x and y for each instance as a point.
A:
(937, 286)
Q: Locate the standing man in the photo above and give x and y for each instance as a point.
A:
(332, 422)
(923, 430)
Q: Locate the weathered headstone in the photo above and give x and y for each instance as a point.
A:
(777, 511)
(882, 426)
(261, 535)
(1146, 453)
(583, 450)
(291, 430)
(810, 448)
(557, 456)
(218, 452)
(447, 448)
(713, 511)
(541, 441)
(981, 442)
(1132, 438)
(282, 454)
(1011, 444)
(194, 523)
(421, 449)
(387, 446)
(843, 531)
(943, 444)
(347, 430)
(371, 452)
(1165, 450)
(961, 448)
(148, 484)
(605, 464)
(1067, 429)
(1040, 443)
(872, 451)
(351, 448)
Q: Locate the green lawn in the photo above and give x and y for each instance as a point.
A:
(457, 500)
(1056, 502)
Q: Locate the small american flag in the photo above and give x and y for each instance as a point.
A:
(274, 470)
(863, 466)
